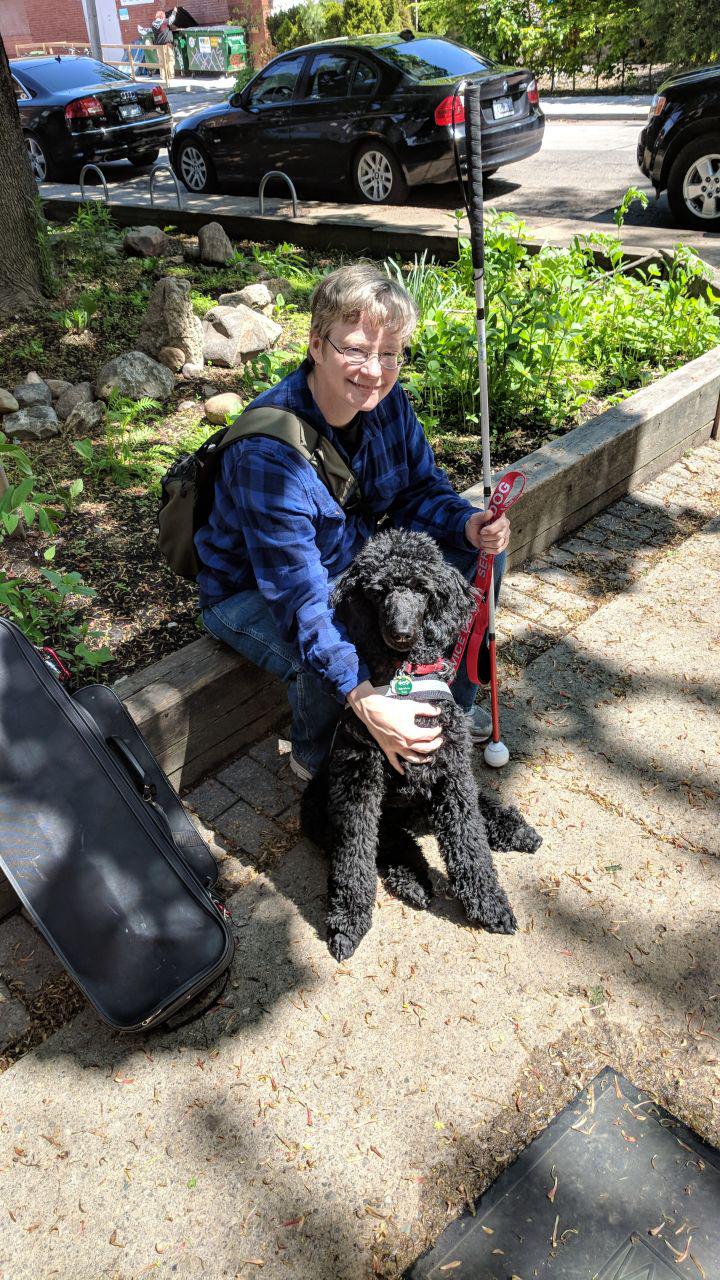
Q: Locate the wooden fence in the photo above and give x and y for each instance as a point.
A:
(126, 62)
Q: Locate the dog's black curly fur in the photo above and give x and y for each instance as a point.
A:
(401, 602)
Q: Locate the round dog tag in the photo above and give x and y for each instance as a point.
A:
(402, 685)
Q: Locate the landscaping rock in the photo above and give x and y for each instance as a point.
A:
(38, 422)
(135, 374)
(215, 247)
(191, 252)
(253, 295)
(147, 242)
(32, 376)
(191, 370)
(86, 417)
(233, 334)
(82, 393)
(171, 322)
(217, 408)
(32, 393)
(276, 285)
(172, 357)
(58, 387)
(8, 403)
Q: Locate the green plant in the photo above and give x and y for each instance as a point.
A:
(76, 319)
(94, 235)
(126, 435)
(288, 261)
(201, 302)
(50, 614)
(21, 500)
(30, 350)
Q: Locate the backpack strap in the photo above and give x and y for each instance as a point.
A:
(280, 424)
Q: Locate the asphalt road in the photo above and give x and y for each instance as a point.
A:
(581, 173)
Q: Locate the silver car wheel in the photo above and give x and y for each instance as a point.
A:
(38, 163)
(701, 187)
(375, 176)
(193, 169)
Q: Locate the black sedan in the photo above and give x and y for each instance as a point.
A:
(679, 148)
(376, 113)
(76, 110)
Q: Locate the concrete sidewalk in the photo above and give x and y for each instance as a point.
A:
(325, 1121)
(596, 107)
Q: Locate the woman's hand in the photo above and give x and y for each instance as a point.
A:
(487, 534)
(391, 721)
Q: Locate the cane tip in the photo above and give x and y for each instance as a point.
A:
(496, 754)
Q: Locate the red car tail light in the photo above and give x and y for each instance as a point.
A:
(159, 97)
(445, 114)
(533, 96)
(83, 108)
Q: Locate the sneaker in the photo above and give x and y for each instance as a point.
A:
(299, 769)
(480, 723)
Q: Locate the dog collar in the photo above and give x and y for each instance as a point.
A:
(420, 681)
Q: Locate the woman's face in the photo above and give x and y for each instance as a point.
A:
(343, 389)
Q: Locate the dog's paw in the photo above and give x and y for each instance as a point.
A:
(340, 945)
(496, 915)
(507, 829)
(407, 885)
(528, 839)
(521, 835)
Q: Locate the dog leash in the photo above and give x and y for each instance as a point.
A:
(507, 492)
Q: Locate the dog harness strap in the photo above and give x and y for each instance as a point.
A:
(507, 492)
(423, 688)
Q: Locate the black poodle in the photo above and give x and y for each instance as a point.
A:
(404, 606)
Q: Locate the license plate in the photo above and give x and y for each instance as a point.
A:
(503, 107)
(130, 111)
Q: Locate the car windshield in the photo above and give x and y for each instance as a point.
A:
(429, 59)
(74, 73)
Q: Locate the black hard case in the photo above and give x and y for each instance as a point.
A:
(90, 853)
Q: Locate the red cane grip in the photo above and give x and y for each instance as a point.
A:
(507, 491)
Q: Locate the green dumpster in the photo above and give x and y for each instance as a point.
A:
(215, 49)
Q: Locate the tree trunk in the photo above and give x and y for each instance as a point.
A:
(21, 224)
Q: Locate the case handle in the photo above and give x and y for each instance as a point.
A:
(146, 788)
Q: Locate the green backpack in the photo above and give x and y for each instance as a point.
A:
(188, 488)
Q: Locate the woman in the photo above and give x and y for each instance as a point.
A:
(277, 540)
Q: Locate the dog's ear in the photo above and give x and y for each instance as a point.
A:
(449, 608)
(350, 604)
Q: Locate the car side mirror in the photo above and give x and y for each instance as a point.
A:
(236, 99)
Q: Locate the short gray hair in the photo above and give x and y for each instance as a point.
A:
(357, 290)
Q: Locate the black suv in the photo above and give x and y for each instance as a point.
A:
(679, 148)
(376, 114)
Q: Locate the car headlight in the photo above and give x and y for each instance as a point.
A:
(657, 105)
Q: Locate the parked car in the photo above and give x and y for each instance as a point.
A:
(371, 112)
(75, 110)
(679, 148)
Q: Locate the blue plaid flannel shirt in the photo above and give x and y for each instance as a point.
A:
(275, 527)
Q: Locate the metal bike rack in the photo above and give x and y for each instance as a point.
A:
(277, 173)
(164, 168)
(86, 169)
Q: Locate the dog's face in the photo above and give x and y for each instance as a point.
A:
(400, 601)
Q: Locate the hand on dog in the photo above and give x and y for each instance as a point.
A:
(487, 534)
(392, 724)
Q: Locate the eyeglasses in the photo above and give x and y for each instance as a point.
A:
(391, 360)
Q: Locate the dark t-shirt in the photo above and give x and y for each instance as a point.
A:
(350, 436)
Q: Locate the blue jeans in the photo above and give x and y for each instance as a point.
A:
(244, 621)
